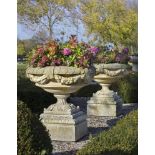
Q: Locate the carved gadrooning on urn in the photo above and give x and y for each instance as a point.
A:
(106, 102)
(64, 121)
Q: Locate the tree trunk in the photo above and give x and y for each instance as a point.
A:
(50, 28)
(51, 33)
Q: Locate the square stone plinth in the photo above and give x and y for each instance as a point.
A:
(103, 110)
(65, 127)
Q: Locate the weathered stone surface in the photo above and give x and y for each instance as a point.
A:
(65, 122)
(106, 102)
(69, 127)
(113, 69)
(60, 74)
(104, 109)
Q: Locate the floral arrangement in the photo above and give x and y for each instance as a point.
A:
(71, 53)
(113, 56)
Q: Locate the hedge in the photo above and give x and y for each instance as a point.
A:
(122, 139)
(32, 137)
(127, 88)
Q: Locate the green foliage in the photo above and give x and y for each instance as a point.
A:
(121, 139)
(32, 137)
(105, 57)
(127, 88)
(71, 53)
(21, 71)
(20, 48)
(111, 20)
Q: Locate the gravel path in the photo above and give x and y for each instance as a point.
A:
(95, 126)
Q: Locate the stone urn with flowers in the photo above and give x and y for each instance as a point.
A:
(110, 67)
(62, 69)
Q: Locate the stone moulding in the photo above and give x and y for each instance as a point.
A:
(113, 69)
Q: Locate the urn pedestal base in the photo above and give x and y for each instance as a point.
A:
(104, 103)
(64, 121)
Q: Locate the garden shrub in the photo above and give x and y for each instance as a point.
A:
(32, 137)
(122, 139)
(127, 88)
(21, 71)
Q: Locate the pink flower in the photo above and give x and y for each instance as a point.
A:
(40, 64)
(66, 51)
(33, 60)
(44, 59)
(57, 62)
(40, 51)
(94, 50)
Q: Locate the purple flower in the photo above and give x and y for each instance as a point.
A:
(57, 62)
(125, 51)
(119, 57)
(66, 51)
(94, 50)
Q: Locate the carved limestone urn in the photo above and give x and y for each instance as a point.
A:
(64, 121)
(106, 102)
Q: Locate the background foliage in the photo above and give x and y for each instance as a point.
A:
(111, 21)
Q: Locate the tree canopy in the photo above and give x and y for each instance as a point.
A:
(43, 14)
(111, 20)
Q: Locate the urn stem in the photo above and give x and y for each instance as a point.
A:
(61, 99)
